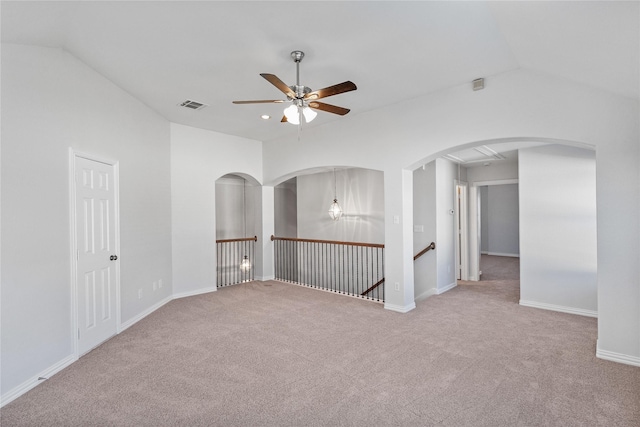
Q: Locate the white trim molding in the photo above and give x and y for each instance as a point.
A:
(196, 292)
(446, 288)
(617, 357)
(399, 308)
(559, 308)
(501, 254)
(142, 315)
(36, 380)
(426, 294)
(265, 278)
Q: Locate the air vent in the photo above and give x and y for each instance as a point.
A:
(193, 105)
(489, 152)
(478, 84)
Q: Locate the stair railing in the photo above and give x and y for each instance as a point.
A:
(230, 254)
(432, 245)
(342, 267)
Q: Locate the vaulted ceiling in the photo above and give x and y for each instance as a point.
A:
(212, 52)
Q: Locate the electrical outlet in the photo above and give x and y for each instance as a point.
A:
(160, 283)
(155, 286)
(396, 286)
(140, 293)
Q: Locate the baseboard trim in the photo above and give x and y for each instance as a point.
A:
(139, 317)
(617, 357)
(560, 308)
(18, 391)
(265, 278)
(500, 254)
(426, 294)
(446, 288)
(194, 293)
(399, 308)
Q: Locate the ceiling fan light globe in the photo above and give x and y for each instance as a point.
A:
(309, 114)
(292, 115)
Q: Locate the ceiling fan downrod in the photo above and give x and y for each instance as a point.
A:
(299, 90)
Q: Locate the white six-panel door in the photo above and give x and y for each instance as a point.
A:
(96, 281)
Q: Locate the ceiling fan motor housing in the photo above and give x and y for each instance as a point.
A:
(297, 55)
(302, 96)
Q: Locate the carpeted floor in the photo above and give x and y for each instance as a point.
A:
(499, 268)
(275, 354)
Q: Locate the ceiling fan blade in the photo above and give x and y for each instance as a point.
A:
(271, 78)
(332, 90)
(262, 101)
(329, 108)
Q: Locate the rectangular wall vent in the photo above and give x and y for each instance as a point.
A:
(478, 84)
(194, 105)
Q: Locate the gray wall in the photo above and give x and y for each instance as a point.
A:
(233, 208)
(286, 208)
(360, 193)
(499, 217)
(424, 216)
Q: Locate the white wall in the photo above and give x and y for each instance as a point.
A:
(198, 158)
(424, 215)
(558, 265)
(360, 193)
(484, 218)
(446, 174)
(50, 102)
(521, 105)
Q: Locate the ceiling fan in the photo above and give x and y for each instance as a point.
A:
(303, 99)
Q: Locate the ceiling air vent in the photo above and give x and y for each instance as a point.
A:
(478, 84)
(194, 105)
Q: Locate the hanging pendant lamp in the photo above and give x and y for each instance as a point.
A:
(335, 211)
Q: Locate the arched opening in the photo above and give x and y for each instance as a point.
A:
(554, 219)
(237, 211)
(343, 254)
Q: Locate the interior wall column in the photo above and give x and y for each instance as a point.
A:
(265, 228)
(398, 193)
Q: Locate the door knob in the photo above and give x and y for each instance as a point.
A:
(113, 257)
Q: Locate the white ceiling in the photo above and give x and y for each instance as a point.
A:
(213, 52)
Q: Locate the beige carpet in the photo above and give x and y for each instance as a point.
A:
(275, 354)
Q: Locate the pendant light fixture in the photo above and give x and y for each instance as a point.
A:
(245, 264)
(335, 211)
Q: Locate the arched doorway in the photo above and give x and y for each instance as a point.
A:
(556, 213)
(237, 210)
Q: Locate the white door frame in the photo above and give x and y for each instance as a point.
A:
(474, 223)
(475, 236)
(462, 234)
(73, 255)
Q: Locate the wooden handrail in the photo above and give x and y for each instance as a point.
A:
(380, 282)
(432, 245)
(242, 239)
(336, 242)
